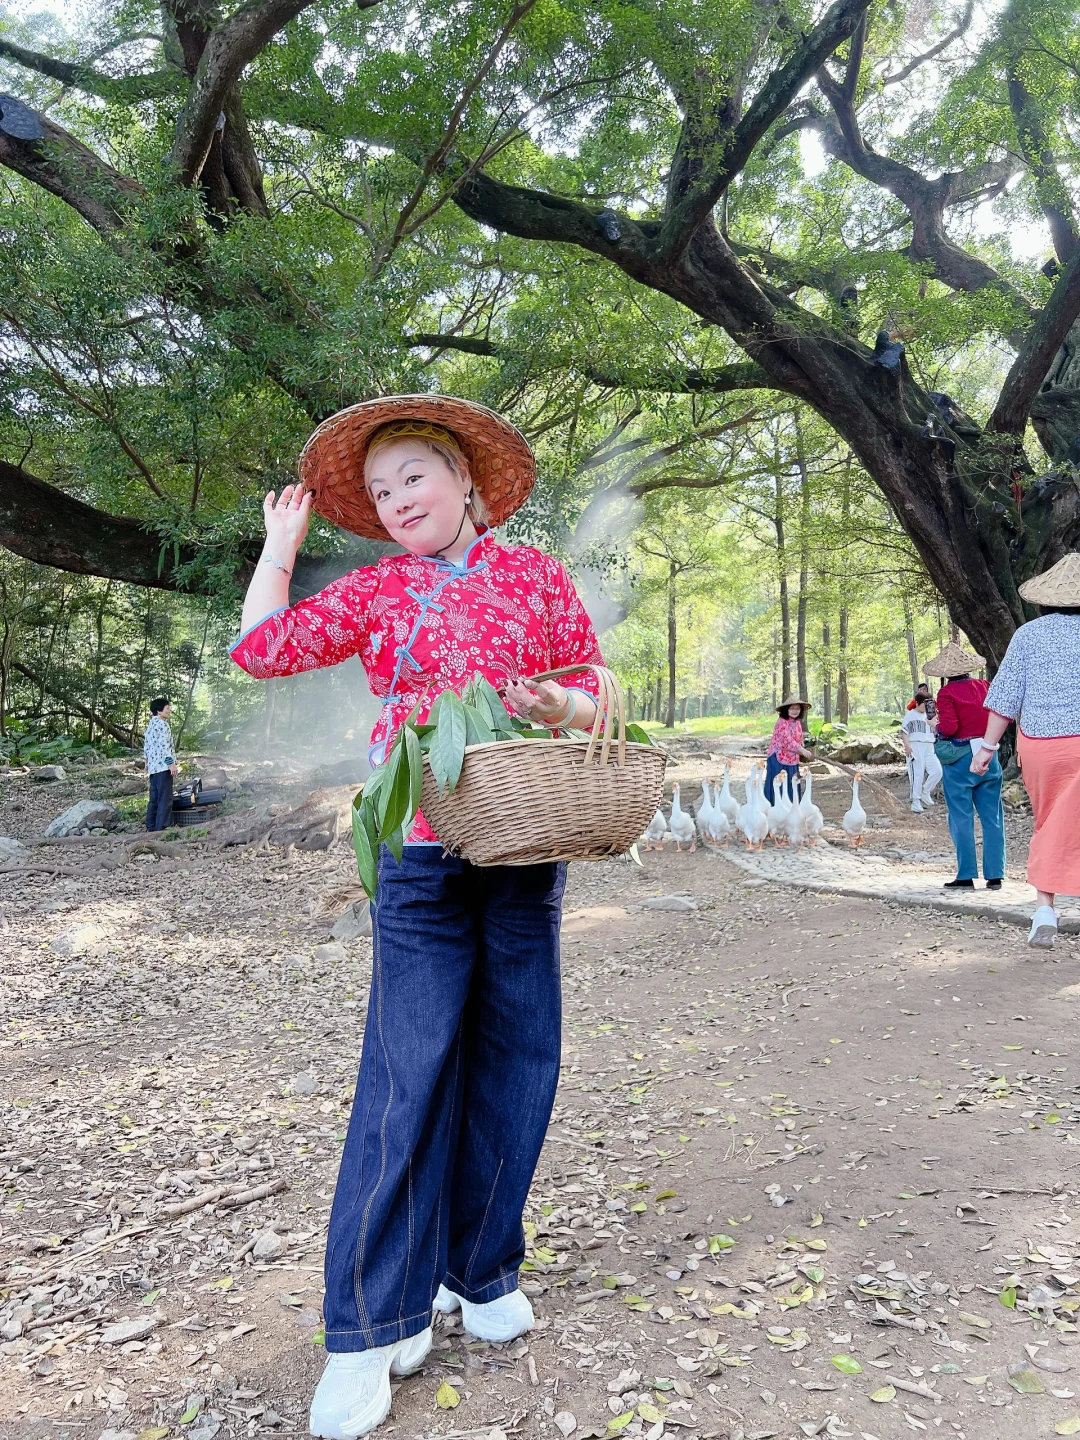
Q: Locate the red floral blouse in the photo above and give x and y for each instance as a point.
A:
(787, 740)
(421, 626)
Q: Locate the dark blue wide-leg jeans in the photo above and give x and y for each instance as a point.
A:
(457, 1079)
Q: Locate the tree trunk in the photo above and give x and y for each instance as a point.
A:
(194, 679)
(141, 675)
(658, 703)
(70, 703)
(785, 601)
(99, 644)
(826, 673)
(909, 636)
(843, 701)
(682, 710)
(629, 702)
(671, 646)
(804, 565)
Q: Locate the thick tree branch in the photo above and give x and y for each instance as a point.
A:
(711, 161)
(1054, 198)
(1041, 344)
(925, 201)
(230, 47)
(126, 89)
(714, 380)
(69, 169)
(49, 527)
(43, 683)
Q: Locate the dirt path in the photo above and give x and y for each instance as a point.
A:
(790, 1129)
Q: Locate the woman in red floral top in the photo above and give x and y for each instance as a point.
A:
(461, 1048)
(786, 748)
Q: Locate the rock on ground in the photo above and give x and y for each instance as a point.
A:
(49, 772)
(83, 815)
(353, 922)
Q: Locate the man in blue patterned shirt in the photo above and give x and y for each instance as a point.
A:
(160, 764)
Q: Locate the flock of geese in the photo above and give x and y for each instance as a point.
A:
(786, 820)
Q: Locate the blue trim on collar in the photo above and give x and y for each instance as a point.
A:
(250, 628)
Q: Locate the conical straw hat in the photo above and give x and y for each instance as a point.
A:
(953, 660)
(1060, 585)
(501, 464)
(786, 705)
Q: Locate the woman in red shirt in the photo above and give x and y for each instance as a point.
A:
(961, 720)
(786, 748)
(461, 1047)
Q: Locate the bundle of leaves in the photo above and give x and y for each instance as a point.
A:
(383, 812)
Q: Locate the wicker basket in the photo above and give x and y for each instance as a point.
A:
(524, 802)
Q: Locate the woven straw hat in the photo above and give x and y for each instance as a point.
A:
(1060, 585)
(953, 660)
(502, 466)
(793, 700)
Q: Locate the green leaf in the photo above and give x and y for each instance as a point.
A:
(490, 698)
(398, 791)
(620, 1422)
(478, 729)
(846, 1364)
(1008, 1297)
(638, 735)
(1071, 1426)
(884, 1395)
(415, 761)
(364, 844)
(720, 1242)
(191, 1413)
(448, 751)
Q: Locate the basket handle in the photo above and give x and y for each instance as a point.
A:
(610, 707)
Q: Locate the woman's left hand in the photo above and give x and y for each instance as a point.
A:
(982, 760)
(541, 701)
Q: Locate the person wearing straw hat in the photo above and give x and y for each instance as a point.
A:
(787, 747)
(1038, 686)
(960, 725)
(461, 1050)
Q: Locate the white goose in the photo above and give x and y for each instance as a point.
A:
(655, 831)
(812, 819)
(753, 821)
(719, 827)
(727, 801)
(854, 821)
(704, 810)
(781, 807)
(681, 825)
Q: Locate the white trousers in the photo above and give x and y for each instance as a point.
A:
(925, 770)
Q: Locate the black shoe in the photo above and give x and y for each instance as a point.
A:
(993, 884)
(959, 885)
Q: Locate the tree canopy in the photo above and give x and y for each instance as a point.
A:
(640, 228)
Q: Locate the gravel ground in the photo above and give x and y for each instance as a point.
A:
(811, 1168)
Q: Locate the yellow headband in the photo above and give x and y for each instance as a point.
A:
(402, 429)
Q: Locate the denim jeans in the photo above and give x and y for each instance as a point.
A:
(773, 770)
(457, 1079)
(964, 794)
(159, 805)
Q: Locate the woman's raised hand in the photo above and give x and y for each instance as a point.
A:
(286, 521)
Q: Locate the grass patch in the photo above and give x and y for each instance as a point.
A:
(715, 727)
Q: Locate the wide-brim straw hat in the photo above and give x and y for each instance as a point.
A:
(793, 700)
(501, 463)
(1060, 585)
(953, 660)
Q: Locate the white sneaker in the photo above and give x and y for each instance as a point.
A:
(353, 1395)
(498, 1320)
(916, 808)
(928, 800)
(445, 1302)
(1043, 930)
